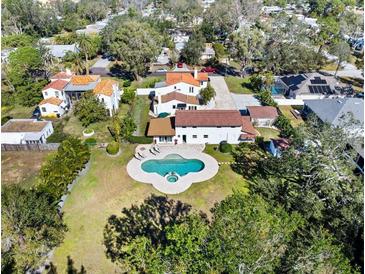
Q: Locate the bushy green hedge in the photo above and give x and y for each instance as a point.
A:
(140, 139)
(88, 131)
(90, 141)
(112, 148)
(224, 147)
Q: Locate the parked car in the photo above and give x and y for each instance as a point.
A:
(161, 70)
(209, 69)
(180, 65)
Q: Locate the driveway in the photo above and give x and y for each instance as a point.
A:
(223, 98)
(242, 101)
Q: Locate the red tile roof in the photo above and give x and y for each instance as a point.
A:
(51, 100)
(105, 87)
(84, 79)
(208, 118)
(173, 78)
(161, 127)
(281, 143)
(62, 75)
(179, 97)
(58, 85)
(248, 128)
(263, 112)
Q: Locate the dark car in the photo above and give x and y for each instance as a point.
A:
(36, 114)
(209, 70)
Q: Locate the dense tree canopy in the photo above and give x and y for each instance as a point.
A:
(136, 44)
(90, 110)
(193, 49)
(31, 227)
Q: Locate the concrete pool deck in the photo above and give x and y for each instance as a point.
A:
(135, 171)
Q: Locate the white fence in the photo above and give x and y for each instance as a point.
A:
(289, 102)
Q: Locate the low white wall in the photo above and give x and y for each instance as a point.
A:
(289, 102)
(215, 135)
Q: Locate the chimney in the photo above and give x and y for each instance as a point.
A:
(195, 73)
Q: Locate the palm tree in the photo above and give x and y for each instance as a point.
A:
(85, 44)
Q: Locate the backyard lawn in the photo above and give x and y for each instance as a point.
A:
(106, 189)
(286, 111)
(238, 85)
(21, 167)
(140, 110)
(17, 111)
(268, 133)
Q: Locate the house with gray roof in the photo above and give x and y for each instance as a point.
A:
(334, 112)
(310, 86)
(59, 51)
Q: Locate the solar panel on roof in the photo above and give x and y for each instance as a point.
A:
(318, 81)
(324, 89)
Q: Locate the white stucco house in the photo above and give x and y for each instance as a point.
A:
(108, 92)
(180, 90)
(55, 102)
(198, 127)
(208, 52)
(26, 131)
(59, 51)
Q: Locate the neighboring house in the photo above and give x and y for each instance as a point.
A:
(249, 133)
(163, 58)
(208, 52)
(108, 92)
(180, 90)
(26, 131)
(79, 84)
(55, 102)
(52, 106)
(197, 127)
(262, 116)
(180, 39)
(278, 145)
(310, 86)
(63, 75)
(59, 51)
(334, 111)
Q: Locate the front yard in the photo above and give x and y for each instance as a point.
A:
(238, 85)
(107, 188)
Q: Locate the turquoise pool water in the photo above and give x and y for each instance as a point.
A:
(173, 163)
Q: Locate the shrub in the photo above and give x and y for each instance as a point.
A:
(4, 119)
(140, 139)
(224, 147)
(128, 95)
(88, 131)
(90, 141)
(58, 135)
(259, 140)
(127, 83)
(112, 148)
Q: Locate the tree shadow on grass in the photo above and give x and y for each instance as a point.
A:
(148, 220)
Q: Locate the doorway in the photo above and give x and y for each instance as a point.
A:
(184, 138)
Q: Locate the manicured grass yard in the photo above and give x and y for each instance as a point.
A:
(17, 111)
(238, 85)
(21, 167)
(106, 189)
(140, 111)
(268, 133)
(286, 111)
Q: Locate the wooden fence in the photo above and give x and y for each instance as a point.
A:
(33, 147)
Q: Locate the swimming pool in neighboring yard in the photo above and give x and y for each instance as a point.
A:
(173, 164)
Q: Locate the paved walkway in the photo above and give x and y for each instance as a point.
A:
(135, 171)
(223, 98)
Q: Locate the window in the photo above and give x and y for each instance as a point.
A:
(45, 93)
(62, 93)
(191, 89)
(192, 108)
(183, 127)
(205, 136)
(218, 127)
(44, 109)
(194, 127)
(173, 106)
(57, 93)
(102, 99)
(174, 87)
(195, 136)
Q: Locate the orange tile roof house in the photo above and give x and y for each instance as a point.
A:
(79, 84)
(107, 91)
(263, 116)
(180, 90)
(249, 132)
(55, 101)
(63, 75)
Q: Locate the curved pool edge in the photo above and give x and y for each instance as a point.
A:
(211, 168)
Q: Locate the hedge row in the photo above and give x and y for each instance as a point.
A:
(140, 139)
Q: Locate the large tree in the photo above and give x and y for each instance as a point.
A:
(136, 44)
(343, 51)
(31, 227)
(193, 49)
(90, 110)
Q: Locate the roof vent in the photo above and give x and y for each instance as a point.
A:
(339, 101)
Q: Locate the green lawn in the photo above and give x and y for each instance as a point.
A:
(140, 110)
(330, 66)
(238, 85)
(268, 133)
(106, 189)
(286, 111)
(17, 111)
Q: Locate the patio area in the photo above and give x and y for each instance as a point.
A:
(144, 153)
